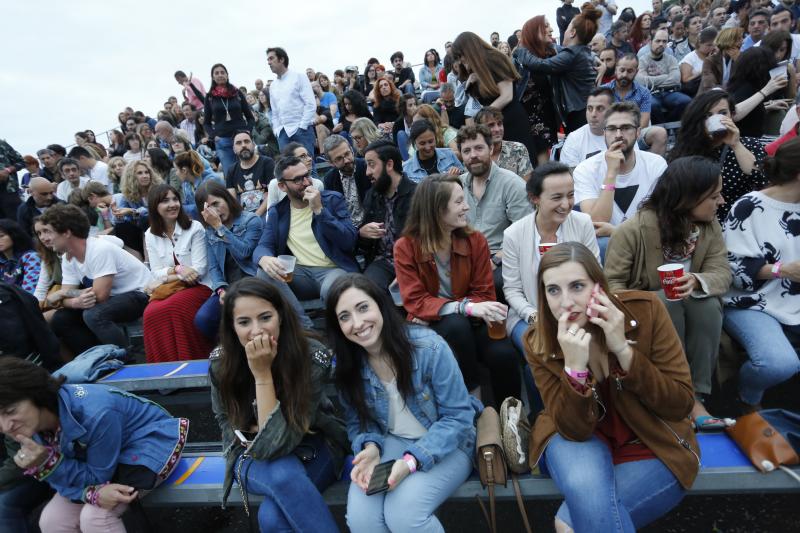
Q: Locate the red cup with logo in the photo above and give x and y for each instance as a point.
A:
(544, 246)
(669, 275)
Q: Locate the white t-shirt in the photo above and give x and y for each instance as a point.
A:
(99, 173)
(580, 145)
(589, 176)
(606, 19)
(789, 120)
(694, 61)
(102, 259)
(65, 188)
(402, 421)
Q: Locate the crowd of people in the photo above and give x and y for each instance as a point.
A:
(499, 223)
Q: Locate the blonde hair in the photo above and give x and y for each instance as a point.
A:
(427, 112)
(130, 185)
(728, 38)
(367, 128)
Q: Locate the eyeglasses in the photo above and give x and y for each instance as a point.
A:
(625, 128)
(299, 179)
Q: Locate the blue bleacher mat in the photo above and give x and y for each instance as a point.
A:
(197, 367)
(718, 450)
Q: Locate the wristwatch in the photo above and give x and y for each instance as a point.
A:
(532, 318)
(497, 260)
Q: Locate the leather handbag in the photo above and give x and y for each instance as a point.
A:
(764, 445)
(165, 290)
(492, 468)
(515, 432)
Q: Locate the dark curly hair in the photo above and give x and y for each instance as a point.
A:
(693, 138)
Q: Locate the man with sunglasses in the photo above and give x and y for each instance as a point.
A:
(312, 225)
(609, 186)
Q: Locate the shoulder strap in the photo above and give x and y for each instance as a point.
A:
(521, 503)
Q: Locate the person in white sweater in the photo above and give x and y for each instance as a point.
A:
(762, 310)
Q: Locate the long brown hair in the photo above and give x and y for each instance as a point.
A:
(429, 203)
(541, 341)
(291, 369)
(488, 63)
(531, 37)
(155, 197)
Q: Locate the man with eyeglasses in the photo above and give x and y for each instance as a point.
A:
(610, 186)
(312, 225)
(348, 175)
(249, 178)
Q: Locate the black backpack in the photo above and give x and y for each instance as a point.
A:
(24, 332)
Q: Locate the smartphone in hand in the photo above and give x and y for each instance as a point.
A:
(379, 482)
(590, 312)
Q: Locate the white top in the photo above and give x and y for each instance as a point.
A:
(789, 121)
(589, 176)
(694, 61)
(130, 156)
(292, 102)
(103, 258)
(580, 145)
(402, 422)
(760, 230)
(188, 245)
(65, 188)
(99, 173)
(521, 259)
(604, 24)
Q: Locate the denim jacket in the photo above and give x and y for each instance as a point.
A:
(102, 427)
(276, 438)
(140, 207)
(445, 159)
(239, 240)
(440, 402)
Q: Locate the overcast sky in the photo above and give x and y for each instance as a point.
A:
(69, 66)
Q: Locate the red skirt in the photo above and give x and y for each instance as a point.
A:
(169, 330)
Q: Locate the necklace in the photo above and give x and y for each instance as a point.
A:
(227, 113)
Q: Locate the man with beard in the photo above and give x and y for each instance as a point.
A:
(625, 89)
(249, 178)
(610, 186)
(386, 206)
(348, 175)
(496, 197)
(42, 196)
(312, 225)
(509, 155)
(659, 72)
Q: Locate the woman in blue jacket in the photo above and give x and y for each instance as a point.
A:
(97, 446)
(231, 237)
(404, 401)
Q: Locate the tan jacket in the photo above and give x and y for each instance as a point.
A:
(654, 397)
(634, 255)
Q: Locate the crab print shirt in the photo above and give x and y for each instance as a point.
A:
(760, 230)
(735, 182)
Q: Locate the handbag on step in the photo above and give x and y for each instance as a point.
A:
(769, 438)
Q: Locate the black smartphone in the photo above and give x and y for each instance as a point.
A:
(379, 482)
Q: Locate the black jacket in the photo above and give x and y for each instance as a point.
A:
(375, 211)
(333, 180)
(571, 71)
(28, 211)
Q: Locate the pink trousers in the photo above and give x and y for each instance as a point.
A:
(60, 515)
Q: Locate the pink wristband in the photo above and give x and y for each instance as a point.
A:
(469, 309)
(577, 375)
(411, 461)
(776, 270)
(608, 187)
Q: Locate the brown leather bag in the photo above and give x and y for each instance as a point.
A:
(492, 467)
(764, 445)
(165, 290)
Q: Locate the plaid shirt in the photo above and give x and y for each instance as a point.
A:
(638, 94)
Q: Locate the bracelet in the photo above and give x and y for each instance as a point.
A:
(608, 186)
(267, 382)
(577, 375)
(469, 309)
(411, 461)
(762, 94)
(776, 270)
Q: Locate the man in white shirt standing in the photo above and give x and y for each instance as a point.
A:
(588, 140)
(102, 284)
(70, 170)
(94, 169)
(294, 108)
(610, 186)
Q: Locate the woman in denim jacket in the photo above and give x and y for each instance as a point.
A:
(404, 401)
(231, 236)
(97, 446)
(267, 382)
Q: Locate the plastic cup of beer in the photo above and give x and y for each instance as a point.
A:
(669, 275)
(497, 330)
(544, 246)
(288, 262)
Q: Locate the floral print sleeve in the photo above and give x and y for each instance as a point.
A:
(31, 267)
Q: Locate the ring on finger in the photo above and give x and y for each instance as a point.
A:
(572, 331)
(22, 455)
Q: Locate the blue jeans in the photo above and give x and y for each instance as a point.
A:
(599, 496)
(227, 158)
(535, 402)
(668, 107)
(771, 356)
(409, 506)
(291, 490)
(208, 317)
(402, 144)
(602, 243)
(19, 501)
(304, 136)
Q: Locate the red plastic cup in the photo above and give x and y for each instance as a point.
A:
(669, 275)
(544, 246)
